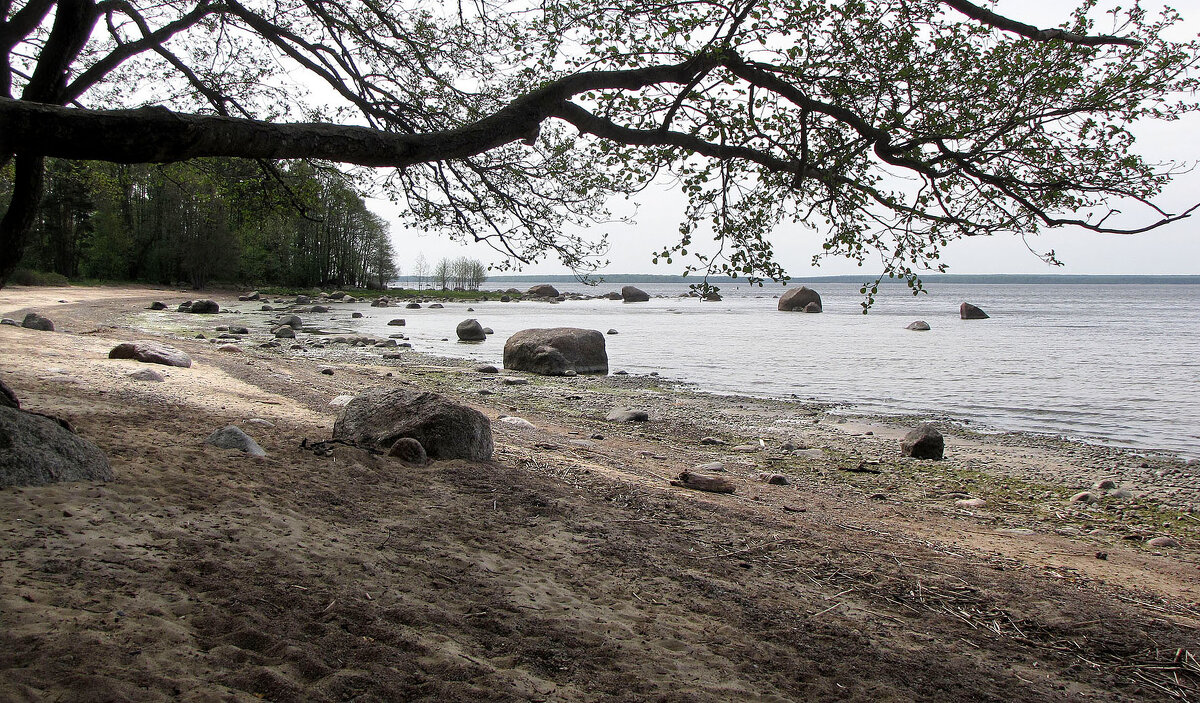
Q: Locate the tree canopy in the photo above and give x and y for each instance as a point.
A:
(891, 127)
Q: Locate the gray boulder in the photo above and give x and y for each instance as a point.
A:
(157, 305)
(284, 332)
(924, 442)
(35, 321)
(631, 294)
(446, 429)
(185, 306)
(398, 322)
(968, 311)
(232, 437)
(205, 307)
(623, 414)
(36, 450)
(544, 290)
(470, 331)
(150, 353)
(800, 299)
(557, 350)
(918, 326)
(292, 321)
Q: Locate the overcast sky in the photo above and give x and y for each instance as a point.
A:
(1174, 249)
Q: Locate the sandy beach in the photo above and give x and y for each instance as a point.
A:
(568, 568)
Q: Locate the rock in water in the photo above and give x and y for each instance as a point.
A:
(632, 294)
(918, 326)
(968, 311)
(554, 351)
(623, 414)
(35, 450)
(447, 430)
(470, 331)
(205, 307)
(232, 437)
(799, 299)
(409, 451)
(924, 442)
(35, 321)
(544, 290)
(150, 353)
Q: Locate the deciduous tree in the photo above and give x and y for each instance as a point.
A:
(891, 126)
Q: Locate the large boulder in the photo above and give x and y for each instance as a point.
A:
(446, 429)
(150, 353)
(557, 350)
(205, 307)
(544, 290)
(470, 331)
(292, 321)
(800, 299)
(35, 321)
(924, 442)
(36, 450)
(631, 294)
(968, 311)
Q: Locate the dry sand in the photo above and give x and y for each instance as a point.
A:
(568, 568)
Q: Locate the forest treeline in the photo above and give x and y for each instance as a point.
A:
(206, 221)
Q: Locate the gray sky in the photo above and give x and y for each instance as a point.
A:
(1174, 249)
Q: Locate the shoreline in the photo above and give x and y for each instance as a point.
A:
(235, 572)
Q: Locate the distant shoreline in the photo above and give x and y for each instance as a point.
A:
(982, 279)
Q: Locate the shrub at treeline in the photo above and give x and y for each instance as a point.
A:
(204, 221)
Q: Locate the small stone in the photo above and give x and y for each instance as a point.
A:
(918, 326)
(486, 368)
(971, 503)
(712, 441)
(229, 348)
(327, 371)
(146, 375)
(398, 322)
(879, 496)
(232, 437)
(341, 401)
(517, 422)
(157, 305)
(1162, 542)
(356, 315)
(612, 331)
(1102, 556)
(514, 381)
(712, 467)
(625, 414)
(1106, 485)
(1084, 497)
(776, 480)
(597, 435)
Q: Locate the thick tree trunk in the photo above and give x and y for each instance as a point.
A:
(17, 224)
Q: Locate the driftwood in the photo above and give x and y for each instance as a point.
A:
(703, 482)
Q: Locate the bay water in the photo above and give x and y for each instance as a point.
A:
(1110, 363)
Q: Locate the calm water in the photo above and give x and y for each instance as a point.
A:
(1113, 363)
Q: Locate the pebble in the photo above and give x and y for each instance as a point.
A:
(712, 440)
(514, 381)
(327, 371)
(971, 503)
(517, 422)
(1106, 485)
(712, 466)
(1162, 542)
(1084, 497)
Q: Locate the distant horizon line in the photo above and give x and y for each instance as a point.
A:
(1026, 278)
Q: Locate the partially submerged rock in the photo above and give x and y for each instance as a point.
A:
(470, 331)
(968, 311)
(232, 437)
(151, 353)
(918, 326)
(36, 450)
(924, 442)
(632, 294)
(556, 350)
(446, 429)
(800, 299)
(544, 290)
